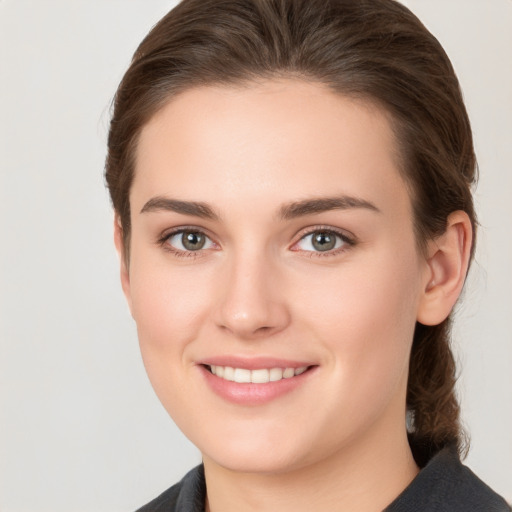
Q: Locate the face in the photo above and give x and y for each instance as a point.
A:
(274, 276)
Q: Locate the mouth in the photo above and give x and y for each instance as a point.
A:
(256, 376)
(257, 380)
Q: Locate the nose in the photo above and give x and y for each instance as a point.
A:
(252, 304)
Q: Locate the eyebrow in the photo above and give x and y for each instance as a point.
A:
(323, 204)
(286, 212)
(194, 208)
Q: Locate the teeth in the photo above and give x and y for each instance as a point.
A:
(275, 374)
(242, 375)
(260, 376)
(229, 373)
(288, 373)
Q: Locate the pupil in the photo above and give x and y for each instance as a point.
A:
(192, 241)
(324, 241)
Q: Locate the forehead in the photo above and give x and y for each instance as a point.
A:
(255, 139)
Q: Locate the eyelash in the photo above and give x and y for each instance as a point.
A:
(347, 242)
(164, 238)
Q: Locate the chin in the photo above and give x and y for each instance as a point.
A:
(266, 452)
(268, 461)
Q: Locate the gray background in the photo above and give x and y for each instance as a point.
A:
(80, 428)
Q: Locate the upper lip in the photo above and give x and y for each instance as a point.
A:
(253, 363)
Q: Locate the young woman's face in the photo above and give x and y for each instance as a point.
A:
(272, 241)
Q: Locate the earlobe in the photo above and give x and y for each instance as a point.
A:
(124, 270)
(448, 261)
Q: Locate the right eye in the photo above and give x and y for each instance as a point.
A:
(188, 241)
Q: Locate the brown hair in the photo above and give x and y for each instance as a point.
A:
(373, 49)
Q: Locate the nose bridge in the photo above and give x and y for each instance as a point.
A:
(251, 304)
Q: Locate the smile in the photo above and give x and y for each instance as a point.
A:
(257, 380)
(258, 376)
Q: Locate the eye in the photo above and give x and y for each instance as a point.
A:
(188, 241)
(322, 240)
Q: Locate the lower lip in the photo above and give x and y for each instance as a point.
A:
(253, 394)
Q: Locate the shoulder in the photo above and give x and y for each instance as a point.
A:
(187, 495)
(446, 485)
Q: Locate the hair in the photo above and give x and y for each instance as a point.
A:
(376, 50)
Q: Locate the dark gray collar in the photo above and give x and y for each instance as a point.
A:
(443, 485)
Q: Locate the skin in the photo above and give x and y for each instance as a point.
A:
(259, 288)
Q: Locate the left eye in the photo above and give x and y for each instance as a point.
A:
(321, 241)
(189, 241)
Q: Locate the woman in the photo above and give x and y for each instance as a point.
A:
(291, 181)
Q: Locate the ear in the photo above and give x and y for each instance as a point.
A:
(447, 262)
(124, 270)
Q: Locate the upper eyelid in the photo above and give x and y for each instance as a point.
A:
(343, 233)
(166, 233)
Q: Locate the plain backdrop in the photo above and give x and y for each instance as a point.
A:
(80, 427)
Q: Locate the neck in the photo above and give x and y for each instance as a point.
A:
(365, 476)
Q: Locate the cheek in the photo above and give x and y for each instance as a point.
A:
(169, 303)
(170, 306)
(365, 317)
(372, 294)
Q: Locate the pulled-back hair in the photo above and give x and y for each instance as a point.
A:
(376, 50)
